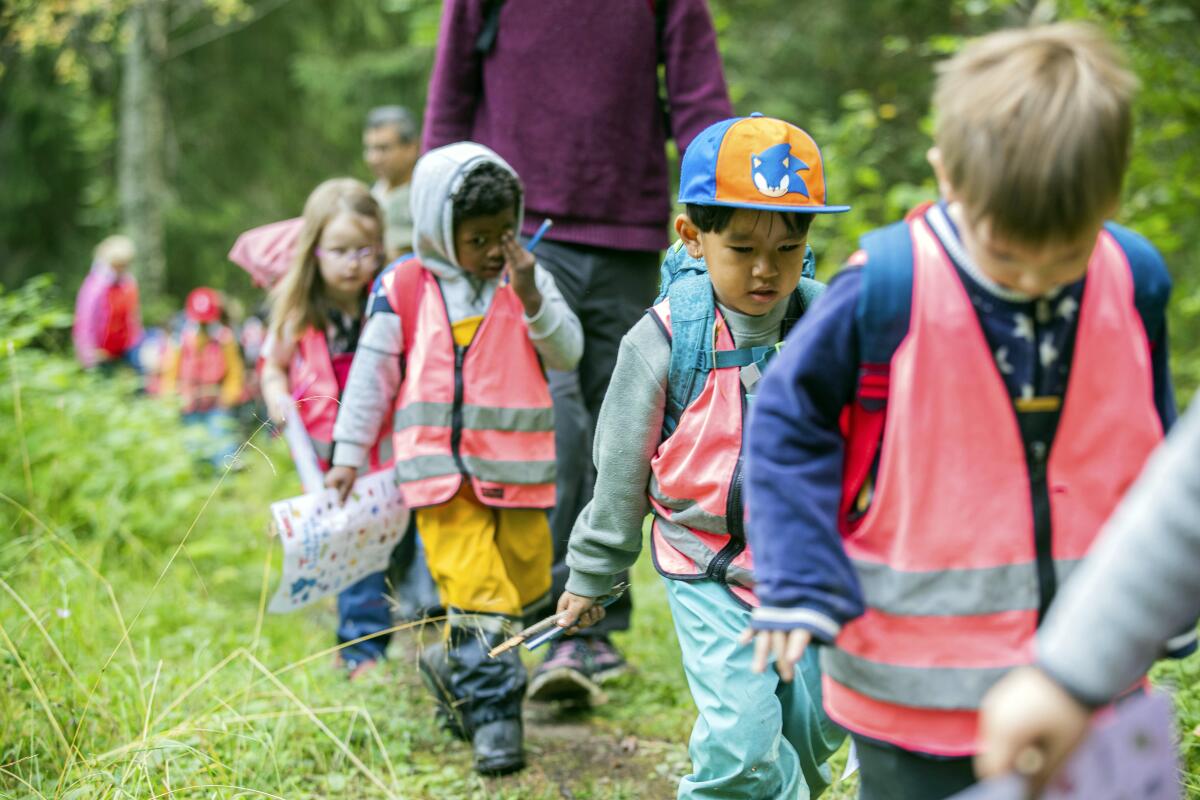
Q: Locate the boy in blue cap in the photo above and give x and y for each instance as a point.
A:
(669, 442)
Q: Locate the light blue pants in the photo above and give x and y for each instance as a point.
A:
(756, 737)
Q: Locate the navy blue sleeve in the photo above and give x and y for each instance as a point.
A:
(794, 471)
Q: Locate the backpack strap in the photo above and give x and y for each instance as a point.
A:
(660, 28)
(490, 28)
(881, 321)
(401, 282)
(693, 317)
(1151, 281)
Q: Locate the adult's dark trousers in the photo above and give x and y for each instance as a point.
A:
(891, 773)
(608, 290)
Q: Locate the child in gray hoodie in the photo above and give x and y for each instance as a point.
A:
(455, 349)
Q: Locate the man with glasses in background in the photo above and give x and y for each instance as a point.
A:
(391, 145)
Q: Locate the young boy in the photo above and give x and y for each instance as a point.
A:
(1015, 344)
(669, 441)
(455, 348)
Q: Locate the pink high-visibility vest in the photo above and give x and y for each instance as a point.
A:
(691, 477)
(317, 380)
(946, 555)
(482, 412)
(202, 366)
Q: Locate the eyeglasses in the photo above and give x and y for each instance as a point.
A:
(345, 255)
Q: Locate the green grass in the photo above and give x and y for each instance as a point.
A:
(136, 659)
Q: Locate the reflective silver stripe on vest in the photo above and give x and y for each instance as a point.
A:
(688, 512)
(953, 593)
(421, 467)
(479, 418)
(516, 472)
(917, 687)
(686, 542)
(323, 449)
(511, 472)
(524, 420)
(436, 415)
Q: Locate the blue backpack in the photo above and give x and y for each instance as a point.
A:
(684, 281)
(882, 319)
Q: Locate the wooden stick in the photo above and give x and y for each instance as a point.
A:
(550, 621)
(528, 633)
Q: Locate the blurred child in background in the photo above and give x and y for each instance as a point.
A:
(207, 373)
(108, 319)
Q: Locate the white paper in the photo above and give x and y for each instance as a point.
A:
(1130, 754)
(303, 455)
(327, 547)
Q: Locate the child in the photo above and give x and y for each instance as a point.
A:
(316, 316)
(1140, 584)
(457, 354)
(669, 440)
(1015, 344)
(108, 320)
(207, 372)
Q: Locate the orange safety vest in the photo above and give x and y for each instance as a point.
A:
(946, 555)
(202, 367)
(317, 386)
(696, 483)
(481, 411)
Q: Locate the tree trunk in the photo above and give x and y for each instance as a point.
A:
(142, 150)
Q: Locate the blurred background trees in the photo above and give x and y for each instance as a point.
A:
(188, 121)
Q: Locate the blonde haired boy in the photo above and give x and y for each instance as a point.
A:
(975, 393)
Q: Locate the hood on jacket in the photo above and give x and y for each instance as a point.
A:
(436, 177)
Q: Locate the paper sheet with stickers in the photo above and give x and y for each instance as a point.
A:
(1131, 754)
(327, 547)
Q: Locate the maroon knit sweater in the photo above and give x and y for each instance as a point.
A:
(568, 96)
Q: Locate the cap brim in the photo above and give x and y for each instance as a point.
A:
(770, 207)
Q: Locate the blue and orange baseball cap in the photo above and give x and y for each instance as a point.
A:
(755, 162)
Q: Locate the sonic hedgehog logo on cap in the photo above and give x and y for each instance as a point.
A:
(775, 171)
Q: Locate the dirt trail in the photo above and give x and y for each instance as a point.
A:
(582, 759)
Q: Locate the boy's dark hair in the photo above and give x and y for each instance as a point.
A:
(487, 189)
(397, 117)
(714, 219)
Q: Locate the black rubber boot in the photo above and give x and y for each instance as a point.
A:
(499, 747)
(436, 674)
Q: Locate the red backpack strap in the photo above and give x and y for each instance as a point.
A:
(401, 282)
(881, 323)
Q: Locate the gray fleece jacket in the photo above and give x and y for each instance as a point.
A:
(1139, 585)
(375, 377)
(607, 537)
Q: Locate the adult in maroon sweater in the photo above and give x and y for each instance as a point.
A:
(568, 93)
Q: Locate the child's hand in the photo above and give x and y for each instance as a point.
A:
(342, 479)
(279, 403)
(786, 646)
(1028, 723)
(575, 612)
(520, 263)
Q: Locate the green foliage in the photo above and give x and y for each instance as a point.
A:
(135, 657)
